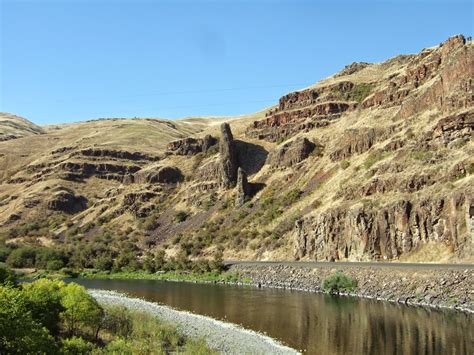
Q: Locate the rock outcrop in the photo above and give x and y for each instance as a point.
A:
(242, 188)
(291, 153)
(112, 153)
(64, 200)
(228, 163)
(191, 146)
(354, 141)
(160, 175)
(108, 171)
(454, 127)
(371, 232)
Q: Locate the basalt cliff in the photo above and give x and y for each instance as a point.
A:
(373, 163)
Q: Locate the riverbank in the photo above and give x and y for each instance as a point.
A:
(224, 337)
(435, 288)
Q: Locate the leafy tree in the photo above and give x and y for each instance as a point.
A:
(43, 298)
(19, 332)
(22, 257)
(103, 262)
(160, 259)
(80, 309)
(118, 321)
(149, 263)
(7, 276)
(4, 252)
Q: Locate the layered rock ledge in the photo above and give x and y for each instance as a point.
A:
(412, 286)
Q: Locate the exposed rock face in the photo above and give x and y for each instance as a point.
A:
(109, 171)
(163, 175)
(64, 200)
(111, 153)
(371, 232)
(354, 141)
(454, 127)
(191, 146)
(228, 163)
(352, 68)
(291, 153)
(242, 187)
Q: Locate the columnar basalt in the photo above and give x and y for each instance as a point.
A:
(242, 188)
(228, 158)
(370, 232)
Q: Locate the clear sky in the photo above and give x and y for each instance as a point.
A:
(73, 60)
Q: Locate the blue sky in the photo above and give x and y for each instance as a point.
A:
(73, 60)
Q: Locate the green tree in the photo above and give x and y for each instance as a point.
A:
(160, 259)
(149, 263)
(43, 298)
(118, 321)
(7, 276)
(22, 257)
(80, 309)
(19, 332)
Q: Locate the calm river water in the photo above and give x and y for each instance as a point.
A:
(314, 323)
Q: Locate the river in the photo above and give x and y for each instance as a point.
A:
(311, 322)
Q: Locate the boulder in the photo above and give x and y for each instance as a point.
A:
(291, 153)
(162, 175)
(64, 200)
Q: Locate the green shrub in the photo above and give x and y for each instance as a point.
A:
(19, 332)
(119, 346)
(181, 216)
(22, 257)
(44, 301)
(421, 155)
(76, 345)
(80, 309)
(4, 252)
(345, 164)
(339, 282)
(7, 276)
(374, 157)
(118, 320)
(359, 92)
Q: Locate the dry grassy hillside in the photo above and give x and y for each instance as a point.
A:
(12, 126)
(375, 162)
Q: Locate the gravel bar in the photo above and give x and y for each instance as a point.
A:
(227, 338)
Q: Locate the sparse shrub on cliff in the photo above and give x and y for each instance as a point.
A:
(339, 282)
(359, 92)
(181, 216)
(345, 164)
(374, 158)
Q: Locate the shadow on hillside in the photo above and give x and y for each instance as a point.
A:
(251, 157)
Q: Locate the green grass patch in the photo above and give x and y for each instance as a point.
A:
(231, 277)
(374, 158)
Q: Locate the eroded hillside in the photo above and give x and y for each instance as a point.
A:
(375, 162)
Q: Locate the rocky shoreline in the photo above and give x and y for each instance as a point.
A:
(418, 287)
(227, 338)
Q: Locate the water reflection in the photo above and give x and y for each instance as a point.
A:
(318, 324)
